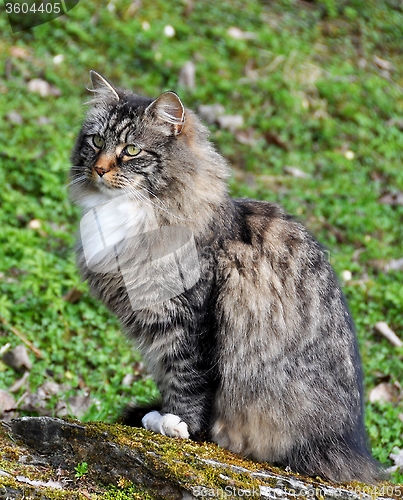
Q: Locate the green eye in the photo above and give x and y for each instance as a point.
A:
(131, 150)
(98, 141)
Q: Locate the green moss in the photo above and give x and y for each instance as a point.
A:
(131, 492)
(178, 465)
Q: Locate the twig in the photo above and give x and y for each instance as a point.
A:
(22, 337)
(388, 333)
(5, 348)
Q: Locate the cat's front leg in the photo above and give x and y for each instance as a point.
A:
(185, 383)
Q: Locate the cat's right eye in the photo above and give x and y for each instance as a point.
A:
(98, 141)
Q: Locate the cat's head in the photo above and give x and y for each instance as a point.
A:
(130, 144)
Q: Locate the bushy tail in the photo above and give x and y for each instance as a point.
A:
(343, 460)
(132, 415)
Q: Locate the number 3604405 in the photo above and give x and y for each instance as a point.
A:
(42, 8)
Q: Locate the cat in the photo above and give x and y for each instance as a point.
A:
(232, 303)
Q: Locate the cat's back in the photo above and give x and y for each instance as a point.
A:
(264, 231)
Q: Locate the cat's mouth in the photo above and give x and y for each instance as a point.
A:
(104, 186)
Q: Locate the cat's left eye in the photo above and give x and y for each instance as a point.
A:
(131, 150)
(98, 141)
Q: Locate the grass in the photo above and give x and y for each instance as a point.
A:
(311, 96)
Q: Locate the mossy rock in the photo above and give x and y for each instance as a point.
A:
(47, 458)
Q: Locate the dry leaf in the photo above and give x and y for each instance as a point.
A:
(394, 265)
(75, 406)
(43, 88)
(187, 76)
(383, 64)
(51, 388)
(7, 405)
(397, 457)
(18, 359)
(393, 199)
(14, 117)
(384, 393)
(296, 172)
(210, 112)
(36, 402)
(238, 34)
(384, 329)
(73, 296)
(395, 122)
(43, 120)
(273, 138)
(19, 52)
(387, 265)
(246, 137)
(19, 383)
(230, 122)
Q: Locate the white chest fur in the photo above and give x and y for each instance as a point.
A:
(108, 224)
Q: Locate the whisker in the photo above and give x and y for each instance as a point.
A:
(77, 180)
(161, 206)
(141, 197)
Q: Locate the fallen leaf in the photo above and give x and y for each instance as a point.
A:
(187, 76)
(35, 402)
(43, 88)
(39, 484)
(73, 296)
(19, 52)
(238, 34)
(210, 112)
(18, 358)
(393, 199)
(14, 117)
(384, 329)
(19, 383)
(246, 137)
(43, 120)
(383, 64)
(230, 122)
(7, 405)
(395, 122)
(384, 393)
(273, 138)
(387, 265)
(51, 388)
(75, 406)
(397, 457)
(296, 172)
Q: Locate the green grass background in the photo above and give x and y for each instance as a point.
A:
(306, 79)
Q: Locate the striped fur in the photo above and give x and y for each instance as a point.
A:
(259, 355)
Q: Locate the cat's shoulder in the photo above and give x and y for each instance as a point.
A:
(265, 216)
(268, 224)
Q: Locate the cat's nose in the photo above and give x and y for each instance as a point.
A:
(101, 170)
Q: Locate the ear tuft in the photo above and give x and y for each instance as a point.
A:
(102, 88)
(169, 109)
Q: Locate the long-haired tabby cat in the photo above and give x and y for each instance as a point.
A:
(232, 303)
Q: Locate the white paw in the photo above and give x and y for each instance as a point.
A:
(169, 425)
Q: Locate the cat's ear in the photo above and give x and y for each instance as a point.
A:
(168, 109)
(102, 88)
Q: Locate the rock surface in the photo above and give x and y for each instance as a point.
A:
(47, 458)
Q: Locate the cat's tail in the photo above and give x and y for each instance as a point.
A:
(340, 460)
(132, 415)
